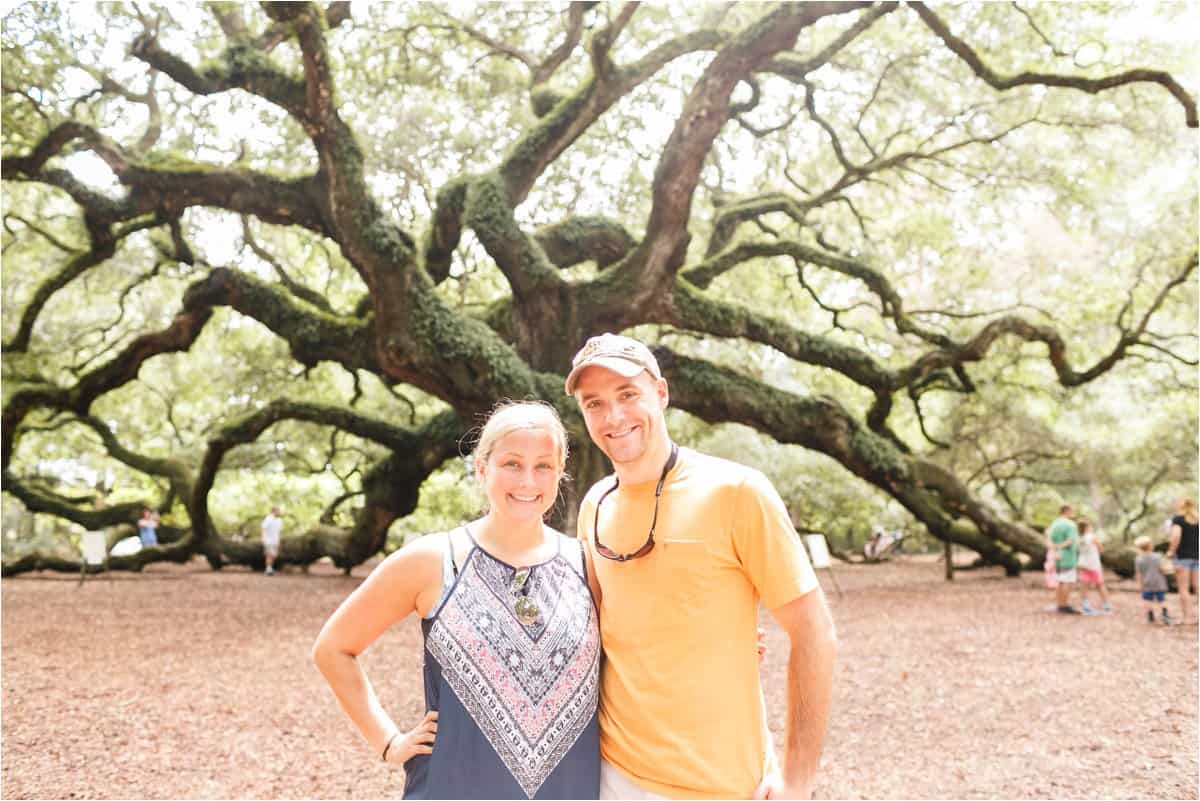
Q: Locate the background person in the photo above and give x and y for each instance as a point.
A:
(1185, 550)
(682, 547)
(512, 641)
(1063, 537)
(272, 531)
(1091, 570)
(147, 527)
(1148, 569)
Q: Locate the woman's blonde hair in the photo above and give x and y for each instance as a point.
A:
(1189, 509)
(510, 416)
(1144, 543)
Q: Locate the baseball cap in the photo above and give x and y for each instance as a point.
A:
(622, 355)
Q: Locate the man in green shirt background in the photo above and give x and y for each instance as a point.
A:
(1063, 538)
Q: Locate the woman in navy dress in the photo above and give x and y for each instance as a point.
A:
(512, 639)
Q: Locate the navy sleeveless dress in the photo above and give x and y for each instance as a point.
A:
(516, 703)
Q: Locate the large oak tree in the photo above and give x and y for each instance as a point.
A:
(839, 222)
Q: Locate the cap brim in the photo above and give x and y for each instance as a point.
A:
(617, 365)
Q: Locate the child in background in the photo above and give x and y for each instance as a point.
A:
(1151, 579)
(1091, 571)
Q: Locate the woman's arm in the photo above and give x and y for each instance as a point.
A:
(407, 581)
(1176, 536)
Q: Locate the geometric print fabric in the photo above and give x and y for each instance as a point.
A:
(531, 690)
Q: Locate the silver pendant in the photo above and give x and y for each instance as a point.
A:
(526, 611)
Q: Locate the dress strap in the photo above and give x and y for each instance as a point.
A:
(577, 558)
(450, 549)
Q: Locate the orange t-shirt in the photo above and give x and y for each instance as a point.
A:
(681, 708)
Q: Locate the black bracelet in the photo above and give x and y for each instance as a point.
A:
(391, 740)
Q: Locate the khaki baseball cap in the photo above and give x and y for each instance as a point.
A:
(622, 355)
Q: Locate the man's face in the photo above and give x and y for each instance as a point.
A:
(624, 416)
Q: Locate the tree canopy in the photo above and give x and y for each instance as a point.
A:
(292, 252)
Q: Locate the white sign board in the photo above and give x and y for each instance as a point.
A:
(94, 547)
(818, 550)
(127, 546)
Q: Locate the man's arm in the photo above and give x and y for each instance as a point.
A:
(810, 679)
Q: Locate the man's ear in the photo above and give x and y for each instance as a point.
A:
(664, 393)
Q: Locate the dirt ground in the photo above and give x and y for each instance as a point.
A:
(185, 683)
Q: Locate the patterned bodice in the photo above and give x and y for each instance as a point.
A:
(530, 689)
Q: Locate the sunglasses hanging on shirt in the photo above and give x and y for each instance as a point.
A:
(648, 545)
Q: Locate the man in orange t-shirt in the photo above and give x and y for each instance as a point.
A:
(681, 548)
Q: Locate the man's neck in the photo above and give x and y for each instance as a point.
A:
(648, 468)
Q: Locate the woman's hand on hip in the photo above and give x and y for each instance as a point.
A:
(407, 745)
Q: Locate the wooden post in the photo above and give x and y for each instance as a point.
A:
(949, 551)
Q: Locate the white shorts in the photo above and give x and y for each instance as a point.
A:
(1067, 576)
(615, 784)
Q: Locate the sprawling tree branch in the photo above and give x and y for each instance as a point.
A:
(1091, 85)
(578, 239)
(242, 66)
(976, 348)
(100, 252)
(392, 487)
(820, 423)
(169, 190)
(705, 112)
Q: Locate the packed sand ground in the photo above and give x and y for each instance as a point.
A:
(181, 682)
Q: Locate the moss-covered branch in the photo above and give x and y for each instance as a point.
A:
(693, 310)
(820, 423)
(312, 335)
(391, 487)
(584, 238)
(243, 65)
(518, 255)
(168, 187)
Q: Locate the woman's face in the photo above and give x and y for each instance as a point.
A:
(521, 475)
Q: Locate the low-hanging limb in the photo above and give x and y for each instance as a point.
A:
(949, 510)
(311, 335)
(392, 486)
(820, 423)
